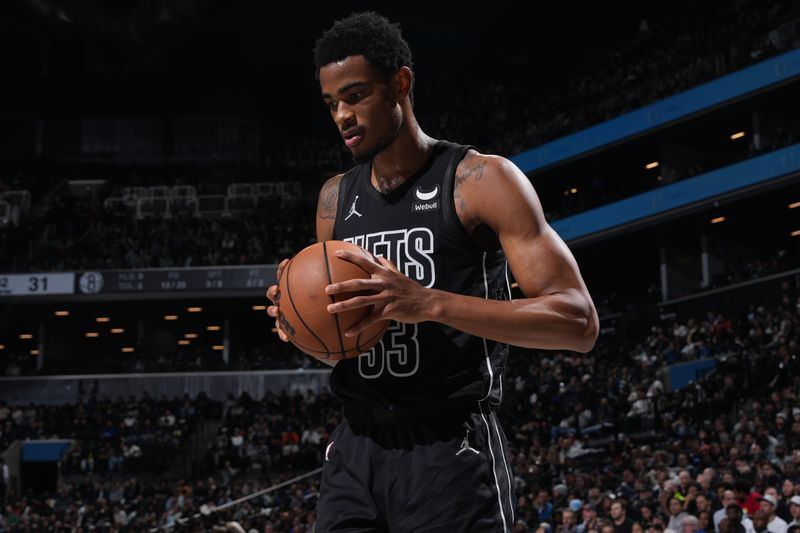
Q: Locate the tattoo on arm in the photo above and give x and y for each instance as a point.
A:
(328, 198)
(470, 170)
(459, 202)
(470, 167)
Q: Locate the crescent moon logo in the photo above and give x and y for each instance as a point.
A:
(427, 195)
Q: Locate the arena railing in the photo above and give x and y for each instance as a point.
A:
(162, 201)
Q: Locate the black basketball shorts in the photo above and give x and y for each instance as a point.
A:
(426, 477)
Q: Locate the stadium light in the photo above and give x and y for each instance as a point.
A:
(102, 319)
(794, 205)
(184, 342)
(718, 220)
(218, 347)
(194, 309)
(190, 335)
(795, 233)
(654, 164)
(92, 334)
(34, 352)
(737, 135)
(26, 336)
(61, 313)
(213, 328)
(2, 346)
(117, 330)
(128, 349)
(170, 317)
(259, 308)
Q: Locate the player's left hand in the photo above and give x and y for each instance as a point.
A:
(394, 295)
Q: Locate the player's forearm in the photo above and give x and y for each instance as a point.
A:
(562, 321)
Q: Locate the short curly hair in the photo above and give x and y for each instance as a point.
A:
(368, 34)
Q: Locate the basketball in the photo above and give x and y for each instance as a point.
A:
(302, 303)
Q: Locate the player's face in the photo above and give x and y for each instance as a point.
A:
(363, 105)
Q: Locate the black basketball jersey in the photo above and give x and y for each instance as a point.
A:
(416, 227)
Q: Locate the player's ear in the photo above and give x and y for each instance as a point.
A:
(403, 79)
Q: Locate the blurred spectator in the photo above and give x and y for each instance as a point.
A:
(775, 524)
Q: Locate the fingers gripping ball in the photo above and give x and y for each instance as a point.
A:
(302, 307)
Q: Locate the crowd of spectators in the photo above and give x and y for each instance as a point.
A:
(260, 443)
(507, 114)
(78, 233)
(589, 430)
(134, 435)
(598, 442)
(73, 230)
(133, 506)
(751, 266)
(667, 55)
(88, 237)
(278, 432)
(597, 439)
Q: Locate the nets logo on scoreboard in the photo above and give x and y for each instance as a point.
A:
(91, 282)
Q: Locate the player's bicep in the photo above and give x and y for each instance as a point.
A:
(539, 259)
(326, 208)
(541, 263)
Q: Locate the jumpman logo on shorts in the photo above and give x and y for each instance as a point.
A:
(465, 447)
(353, 210)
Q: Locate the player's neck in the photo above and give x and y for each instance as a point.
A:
(403, 158)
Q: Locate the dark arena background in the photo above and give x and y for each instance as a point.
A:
(158, 158)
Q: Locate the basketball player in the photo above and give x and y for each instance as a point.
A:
(419, 449)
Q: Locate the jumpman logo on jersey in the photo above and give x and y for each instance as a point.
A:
(465, 447)
(353, 210)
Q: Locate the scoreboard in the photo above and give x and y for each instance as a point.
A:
(37, 283)
(150, 281)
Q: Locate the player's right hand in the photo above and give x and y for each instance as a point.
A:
(274, 296)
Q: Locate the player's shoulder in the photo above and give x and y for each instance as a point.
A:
(334, 181)
(331, 185)
(475, 166)
(329, 197)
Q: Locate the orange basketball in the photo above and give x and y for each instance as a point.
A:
(302, 303)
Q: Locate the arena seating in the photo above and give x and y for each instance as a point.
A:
(164, 202)
(507, 115)
(597, 427)
(656, 62)
(137, 435)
